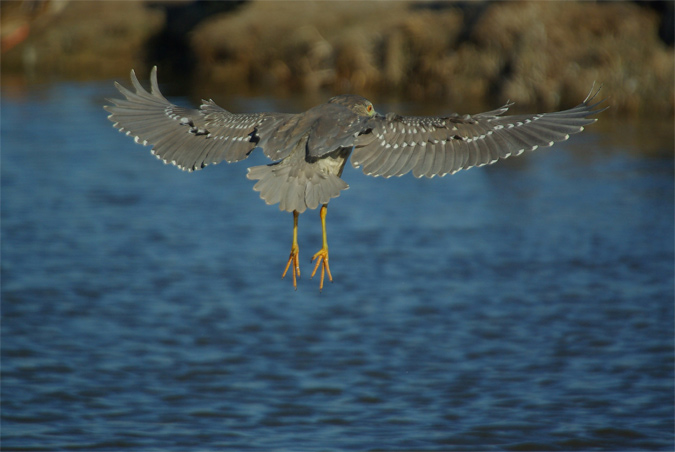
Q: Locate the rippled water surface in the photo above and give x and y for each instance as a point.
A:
(523, 306)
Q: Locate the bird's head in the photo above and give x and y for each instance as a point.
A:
(357, 104)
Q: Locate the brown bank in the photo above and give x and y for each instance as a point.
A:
(538, 54)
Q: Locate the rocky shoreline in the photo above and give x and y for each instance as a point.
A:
(538, 54)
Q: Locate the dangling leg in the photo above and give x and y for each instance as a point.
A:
(322, 256)
(293, 258)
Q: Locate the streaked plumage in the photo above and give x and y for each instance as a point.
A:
(309, 150)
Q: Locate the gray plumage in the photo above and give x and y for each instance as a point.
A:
(310, 149)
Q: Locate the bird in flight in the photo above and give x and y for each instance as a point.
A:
(309, 150)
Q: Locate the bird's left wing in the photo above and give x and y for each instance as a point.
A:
(188, 138)
(436, 146)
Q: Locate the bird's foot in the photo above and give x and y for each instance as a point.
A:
(293, 260)
(322, 259)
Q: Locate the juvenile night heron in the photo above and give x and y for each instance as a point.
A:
(310, 149)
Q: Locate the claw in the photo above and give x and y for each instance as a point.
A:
(295, 250)
(321, 258)
(293, 259)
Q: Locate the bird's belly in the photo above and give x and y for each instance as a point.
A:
(333, 163)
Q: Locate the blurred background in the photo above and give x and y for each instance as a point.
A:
(527, 305)
(538, 54)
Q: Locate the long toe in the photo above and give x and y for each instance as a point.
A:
(321, 258)
(293, 262)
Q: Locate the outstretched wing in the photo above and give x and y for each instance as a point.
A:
(436, 146)
(188, 138)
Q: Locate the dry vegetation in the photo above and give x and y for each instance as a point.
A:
(544, 54)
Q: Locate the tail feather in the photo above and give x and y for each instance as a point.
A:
(295, 187)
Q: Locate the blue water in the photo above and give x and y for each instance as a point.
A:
(522, 306)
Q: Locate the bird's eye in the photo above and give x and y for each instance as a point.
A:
(369, 108)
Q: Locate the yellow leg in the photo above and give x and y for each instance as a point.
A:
(322, 256)
(295, 250)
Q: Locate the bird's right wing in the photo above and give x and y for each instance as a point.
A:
(436, 146)
(188, 138)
